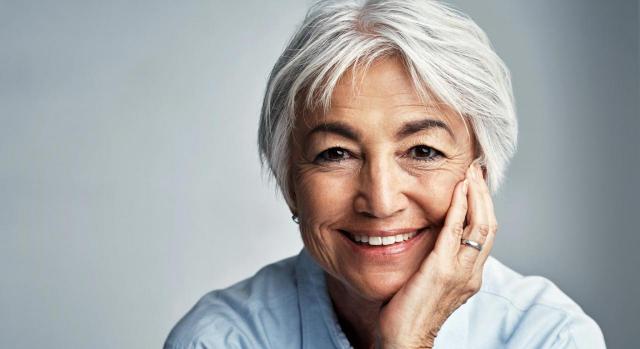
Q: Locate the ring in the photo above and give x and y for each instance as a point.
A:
(471, 243)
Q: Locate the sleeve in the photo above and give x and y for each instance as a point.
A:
(545, 327)
(230, 339)
(216, 323)
(581, 332)
(219, 333)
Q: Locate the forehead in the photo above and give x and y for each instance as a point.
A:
(386, 78)
(382, 98)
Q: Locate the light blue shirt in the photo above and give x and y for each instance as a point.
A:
(286, 305)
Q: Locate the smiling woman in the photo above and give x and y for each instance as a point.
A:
(387, 125)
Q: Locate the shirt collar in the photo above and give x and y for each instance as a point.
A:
(320, 325)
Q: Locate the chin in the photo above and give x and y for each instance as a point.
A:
(381, 289)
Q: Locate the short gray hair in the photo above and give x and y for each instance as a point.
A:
(448, 57)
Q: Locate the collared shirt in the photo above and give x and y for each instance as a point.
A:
(286, 305)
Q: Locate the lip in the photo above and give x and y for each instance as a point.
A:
(383, 252)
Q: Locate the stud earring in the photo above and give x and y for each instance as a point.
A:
(295, 219)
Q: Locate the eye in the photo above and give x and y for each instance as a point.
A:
(334, 154)
(424, 153)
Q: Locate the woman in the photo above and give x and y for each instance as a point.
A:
(387, 125)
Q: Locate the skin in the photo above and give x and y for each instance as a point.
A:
(376, 179)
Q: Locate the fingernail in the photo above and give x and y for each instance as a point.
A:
(465, 186)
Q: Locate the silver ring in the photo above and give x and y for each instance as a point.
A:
(471, 243)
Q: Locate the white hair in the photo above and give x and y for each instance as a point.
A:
(447, 56)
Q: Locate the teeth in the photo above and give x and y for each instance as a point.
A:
(383, 240)
(375, 240)
(388, 240)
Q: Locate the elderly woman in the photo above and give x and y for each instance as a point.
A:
(387, 125)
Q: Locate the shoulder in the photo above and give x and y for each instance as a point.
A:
(531, 311)
(239, 316)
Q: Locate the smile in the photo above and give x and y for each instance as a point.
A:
(374, 240)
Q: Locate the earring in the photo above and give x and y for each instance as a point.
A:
(295, 219)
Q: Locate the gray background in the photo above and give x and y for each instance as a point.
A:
(129, 177)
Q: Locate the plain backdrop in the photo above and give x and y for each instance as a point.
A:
(129, 175)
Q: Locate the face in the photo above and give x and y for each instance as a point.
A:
(380, 163)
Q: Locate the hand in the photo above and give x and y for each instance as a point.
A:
(449, 275)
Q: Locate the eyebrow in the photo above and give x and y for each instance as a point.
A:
(338, 128)
(406, 130)
(416, 126)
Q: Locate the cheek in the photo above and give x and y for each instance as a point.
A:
(435, 194)
(324, 198)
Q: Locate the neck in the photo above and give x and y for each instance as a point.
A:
(358, 317)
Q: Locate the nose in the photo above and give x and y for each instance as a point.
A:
(380, 193)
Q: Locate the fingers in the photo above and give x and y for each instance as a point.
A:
(478, 219)
(493, 227)
(471, 200)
